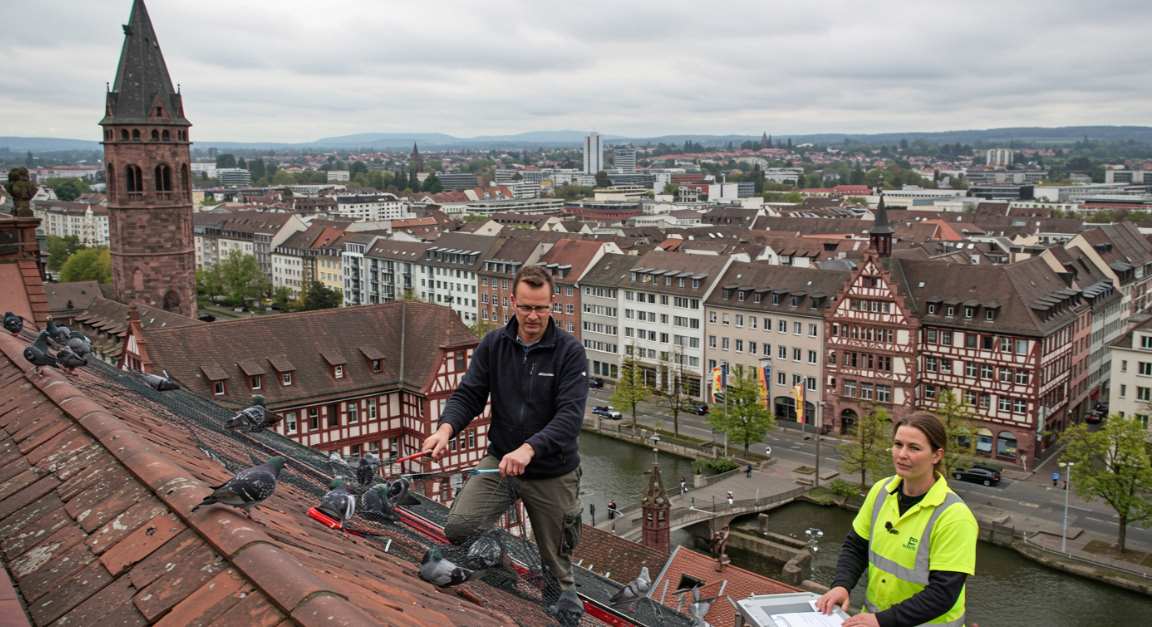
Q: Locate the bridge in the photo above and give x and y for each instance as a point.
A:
(628, 525)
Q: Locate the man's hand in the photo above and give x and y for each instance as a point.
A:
(513, 464)
(832, 598)
(437, 443)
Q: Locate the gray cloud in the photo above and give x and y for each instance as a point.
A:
(295, 71)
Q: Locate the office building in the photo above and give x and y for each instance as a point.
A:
(593, 154)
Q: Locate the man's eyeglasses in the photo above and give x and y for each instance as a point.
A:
(528, 309)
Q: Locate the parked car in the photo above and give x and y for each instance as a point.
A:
(977, 474)
(700, 409)
(1096, 416)
(606, 411)
(595, 382)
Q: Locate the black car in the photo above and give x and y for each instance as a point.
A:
(607, 412)
(595, 382)
(700, 409)
(977, 474)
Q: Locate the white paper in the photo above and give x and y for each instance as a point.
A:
(807, 619)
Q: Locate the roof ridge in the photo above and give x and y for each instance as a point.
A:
(251, 551)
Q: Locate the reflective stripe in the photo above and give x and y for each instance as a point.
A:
(919, 573)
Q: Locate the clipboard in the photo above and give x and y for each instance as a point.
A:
(759, 610)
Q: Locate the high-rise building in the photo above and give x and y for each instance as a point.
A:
(147, 163)
(624, 158)
(998, 157)
(593, 154)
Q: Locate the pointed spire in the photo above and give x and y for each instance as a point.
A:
(142, 83)
(881, 225)
(655, 494)
(880, 237)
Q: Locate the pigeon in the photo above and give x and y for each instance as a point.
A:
(635, 589)
(374, 504)
(568, 610)
(486, 551)
(79, 344)
(160, 383)
(439, 571)
(249, 487)
(366, 471)
(337, 502)
(700, 606)
(38, 353)
(398, 492)
(69, 359)
(59, 333)
(254, 418)
(13, 323)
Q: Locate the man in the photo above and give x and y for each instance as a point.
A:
(536, 376)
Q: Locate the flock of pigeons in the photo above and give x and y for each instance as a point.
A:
(377, 500)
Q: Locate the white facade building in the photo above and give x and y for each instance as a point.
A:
(593, 154)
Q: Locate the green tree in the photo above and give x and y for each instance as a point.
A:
(631, 388)
(320, 296)
(742, 416)
(60, 249)
(869, 453)
(240, 278)
(480, 328)
(675, 396)
(68, 189)
(88, 264)
(282, 298)
(225, 161)
(602, 179)
(957, 419)
(432, 184)
(1113, 464)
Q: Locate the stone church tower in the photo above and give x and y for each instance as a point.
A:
(656, 509)
(147, 161)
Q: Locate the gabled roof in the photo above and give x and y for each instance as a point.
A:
(576, 253)
(66, 297)
(810, 284)
(142, 78)
(610, 270)
(740, 583)
(409, 335)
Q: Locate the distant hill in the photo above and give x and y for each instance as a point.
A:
(572, 139)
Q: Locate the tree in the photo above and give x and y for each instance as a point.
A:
(282, 298)
(225, 161)
(602, 179)
(88, 264)
(240, 279)
(60, 249)
(68, 189)
(675, 395)
(480, 328)
(868, 454)
(432, 184)
(957, 419)
(320, 296)
(742, 416)
(630, 389)
(1113, 464)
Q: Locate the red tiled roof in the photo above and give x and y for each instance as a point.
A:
(96, 489)
(618, 559)
(741, 583)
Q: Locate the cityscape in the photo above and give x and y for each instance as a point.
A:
(760, 298)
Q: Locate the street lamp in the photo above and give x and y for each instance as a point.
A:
(1067, 466)
(655, 449)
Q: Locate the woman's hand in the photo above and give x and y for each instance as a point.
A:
(862, 620)
(832, 598)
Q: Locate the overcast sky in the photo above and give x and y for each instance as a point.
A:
(295, 70)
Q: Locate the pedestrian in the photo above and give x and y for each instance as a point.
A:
(915, 538)
(731, 498)
(683, 486)
(1055, 478)
(534, 373)
(748, 471)
(611, 510)
(592, 513)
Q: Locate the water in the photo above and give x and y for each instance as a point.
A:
(618, 470)
(1007, 589)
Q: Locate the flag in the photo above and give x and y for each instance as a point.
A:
(763, 376)
(798, 395)
(717, 385)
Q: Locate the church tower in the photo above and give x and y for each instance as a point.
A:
(656, 509)
(147, 161)
(881, 233)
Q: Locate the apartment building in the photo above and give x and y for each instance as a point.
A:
(379, 270)
(569, 260)
(254, 233)
(600, 328)
(496, 275)
(1131, 365)
(451, 272)
(765, 315)
(87, 222)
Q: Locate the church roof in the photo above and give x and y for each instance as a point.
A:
(142, 81)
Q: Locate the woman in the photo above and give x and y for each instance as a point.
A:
(915, 536)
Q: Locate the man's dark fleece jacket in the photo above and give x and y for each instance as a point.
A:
(538, 396)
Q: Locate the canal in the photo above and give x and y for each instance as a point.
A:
(1007, 589)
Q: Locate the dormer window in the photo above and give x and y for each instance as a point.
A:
(375, 365)
(256, 381)
(740, 296)
(218, 388)
(949, 311)
(338, 371)
(695, 284)
(756, 297)
(775, 299)
(796, 301)
(931, 308)
(969, 312)
(286, 378)
(990, 315)
(727, 294)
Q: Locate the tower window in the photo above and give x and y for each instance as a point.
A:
(133, 181)
(124, 134)
(155, 135)
(111, 178)
(163, 178)
(159, 111)
(165, 135)
(135, 134)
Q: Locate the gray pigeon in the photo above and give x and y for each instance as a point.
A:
(79, 345)
(366, 471)
(568, 610)
(634, 591)
(249, 487)
(13, 323)
(398, 492)
(59, 333)
(486, 551)
(38, 353)
(69, 359)
(254, 418)
(439, 571)
(374, 504)
(337, 502)
(160, 383)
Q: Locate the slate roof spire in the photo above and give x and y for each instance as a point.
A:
(880, 236)
(142, 83)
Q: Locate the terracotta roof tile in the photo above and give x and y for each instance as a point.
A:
(741, 583)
